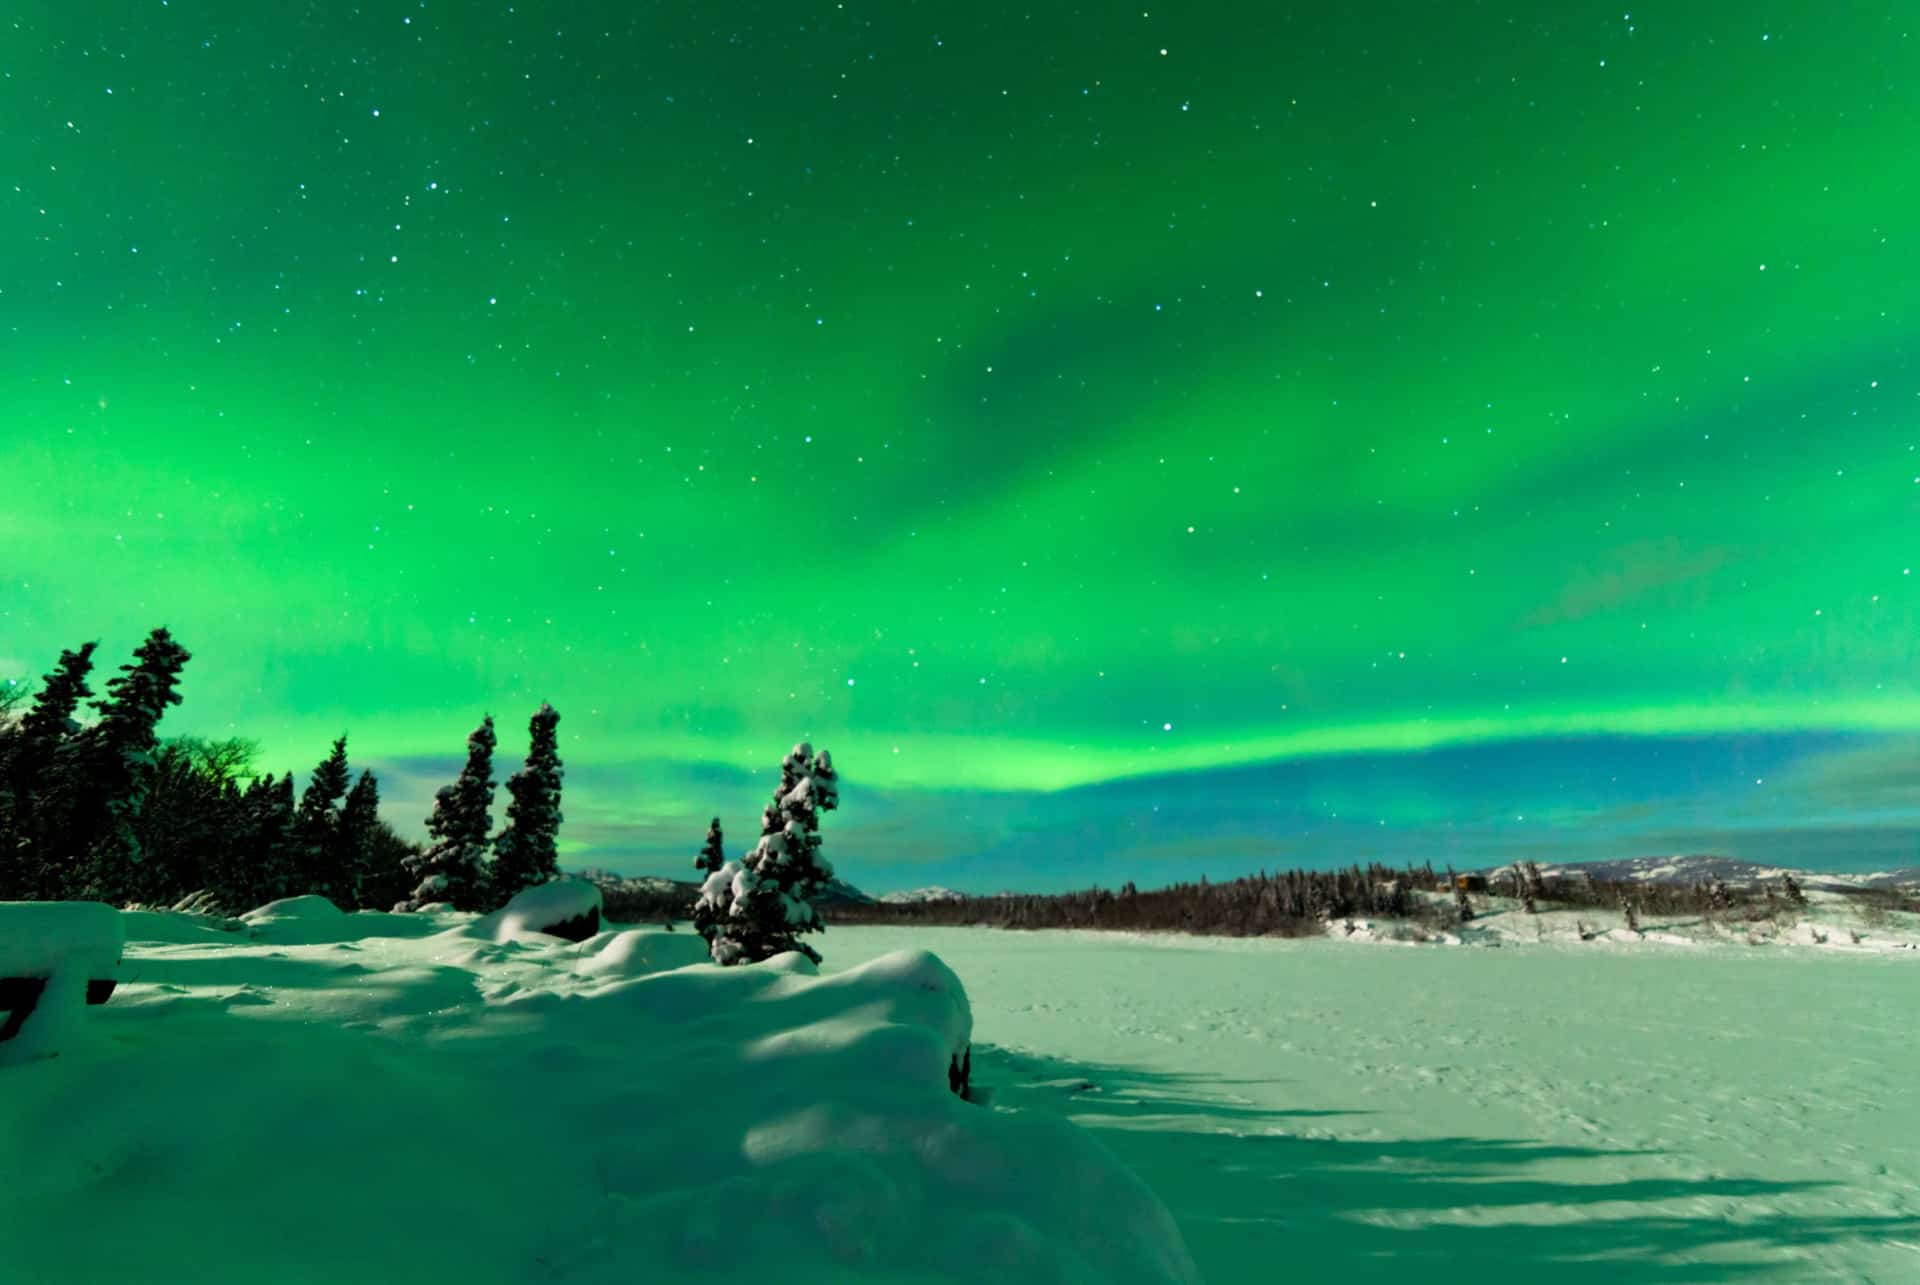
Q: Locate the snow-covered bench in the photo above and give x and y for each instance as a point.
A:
(56, 957)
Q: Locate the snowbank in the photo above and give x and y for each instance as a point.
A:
(449, 1109)
(49, 951)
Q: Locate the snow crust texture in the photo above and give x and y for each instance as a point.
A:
(324, 1097)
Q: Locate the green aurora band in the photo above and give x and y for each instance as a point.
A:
(1005, 400)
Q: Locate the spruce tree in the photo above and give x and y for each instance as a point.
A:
(761, 905)
(710, 910)
(271, 866)
(315, 824)
(353, 842)
(527, 852)
(453, 867)
(35, 804)
(713, 854)
(50, 718)
(117, 754)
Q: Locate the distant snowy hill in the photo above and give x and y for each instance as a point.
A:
(839, 892)
(916, 895)
(1700, 867)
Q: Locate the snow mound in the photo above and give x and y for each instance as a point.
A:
(312, 906)
(600, 1112)
(49, 951)
(568, 908)
(637, 952)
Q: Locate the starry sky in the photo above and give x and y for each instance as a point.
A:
(1138, 443)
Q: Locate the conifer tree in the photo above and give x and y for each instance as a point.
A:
(314, 829)
(453, 866)
(270, 867)
(353, 842)
(709, 911)
(35, 804)
(527, 852)
(713, 854)
(117, 753)
(50, 718)
(758, 907)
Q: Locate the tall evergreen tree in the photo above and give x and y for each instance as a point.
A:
(266, 869)
(453, 867)
(314, 830)
(50, 718)
(353, 843)
(527, 852)
(116, 755)
(34, 806)
(759, 907)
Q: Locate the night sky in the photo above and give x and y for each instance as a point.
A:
(1138, 444)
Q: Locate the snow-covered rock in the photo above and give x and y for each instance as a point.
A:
(49, 952)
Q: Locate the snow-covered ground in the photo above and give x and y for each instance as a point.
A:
(301, 1095)
(1610, 1110)
(307, 1096)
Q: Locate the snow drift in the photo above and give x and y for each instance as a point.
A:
(319, 1097)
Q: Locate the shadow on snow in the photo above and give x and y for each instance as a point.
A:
(1257, 1201)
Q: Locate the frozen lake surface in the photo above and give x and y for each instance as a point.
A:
(1319, 1110)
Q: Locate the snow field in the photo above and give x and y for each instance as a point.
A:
(424, 1098)
(1567, 1111)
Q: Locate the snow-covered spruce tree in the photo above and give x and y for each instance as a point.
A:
(314, 827)
(115, 755)
(453, 867)
(716, 890)
(526, 852)
(351, 858)
(1632, 913)
(758, 907)
(1792, 887)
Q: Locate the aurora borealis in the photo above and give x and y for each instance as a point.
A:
(1357, 430)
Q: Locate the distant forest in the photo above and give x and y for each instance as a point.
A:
(108, 811)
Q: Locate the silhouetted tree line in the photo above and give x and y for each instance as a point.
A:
(107, 811)
(1297, 903)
